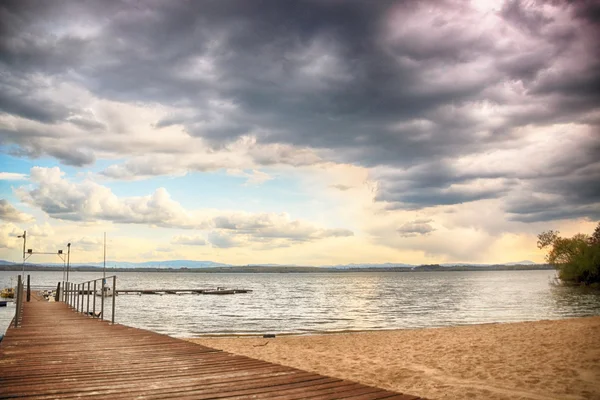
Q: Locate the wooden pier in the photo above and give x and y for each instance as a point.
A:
(59, 353)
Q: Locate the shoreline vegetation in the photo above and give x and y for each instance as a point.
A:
(577, 259)
(550, 359)
(285, 269)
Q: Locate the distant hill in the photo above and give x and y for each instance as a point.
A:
(384, 265)
(211, 266)
(524, 262)
(158, 264)
(124, 264)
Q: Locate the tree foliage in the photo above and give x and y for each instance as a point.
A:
(577, 259)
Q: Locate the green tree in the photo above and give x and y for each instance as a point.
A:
(577, 259)
(595, 238)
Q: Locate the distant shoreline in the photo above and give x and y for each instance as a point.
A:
(284, 270)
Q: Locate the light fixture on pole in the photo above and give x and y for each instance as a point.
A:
(68, 259)
(24, 236)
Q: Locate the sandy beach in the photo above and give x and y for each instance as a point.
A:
(526, 360)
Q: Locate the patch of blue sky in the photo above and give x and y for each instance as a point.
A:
(13, 164)
(195, 190)
(220, 190)
(9, 163)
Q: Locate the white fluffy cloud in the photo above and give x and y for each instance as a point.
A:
(89, 201)
(8, 236)
(12, 176)
(9, 213)
(189, 240)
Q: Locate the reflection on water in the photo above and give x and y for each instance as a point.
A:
(305, 303)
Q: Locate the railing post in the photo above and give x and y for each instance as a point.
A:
(28, 288)
(57, 295)
(114, 294)
(18, 301)
(102, 301)
(94, 301)
(21, 298)
(88, 298)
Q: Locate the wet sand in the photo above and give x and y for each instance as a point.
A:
(525, 360)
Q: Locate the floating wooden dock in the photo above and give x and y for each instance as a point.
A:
(218, 291)
(59, 353)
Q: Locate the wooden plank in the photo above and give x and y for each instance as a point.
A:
(59, 353)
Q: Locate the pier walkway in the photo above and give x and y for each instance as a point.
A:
(59, 353)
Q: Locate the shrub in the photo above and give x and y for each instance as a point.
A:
(577, 259)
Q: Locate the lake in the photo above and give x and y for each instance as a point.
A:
(332, 302)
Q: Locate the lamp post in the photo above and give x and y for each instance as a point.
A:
(24, 236)
(68, 259)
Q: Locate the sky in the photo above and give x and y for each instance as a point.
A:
(313, 132)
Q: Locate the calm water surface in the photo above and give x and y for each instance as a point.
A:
(309, 303)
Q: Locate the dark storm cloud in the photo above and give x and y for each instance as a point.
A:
(379, 84)
(38, 110)
(572, 195)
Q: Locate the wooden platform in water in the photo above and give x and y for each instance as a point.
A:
(183, 291)
(169, 291)
(58, 353)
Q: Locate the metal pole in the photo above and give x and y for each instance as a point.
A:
(28, 289)
(18, 301)
(68, 258)
(104, 268)
(24, 236)
(24, 243)
(102, 300)
(113, 297)
(94, 301)
(88, 299)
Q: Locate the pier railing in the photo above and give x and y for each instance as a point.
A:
(77, 296)
(19, 293)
